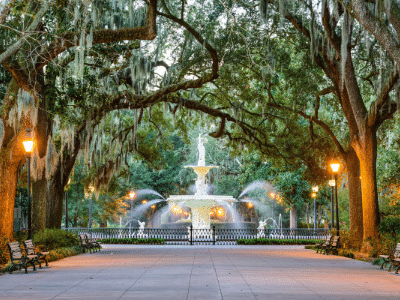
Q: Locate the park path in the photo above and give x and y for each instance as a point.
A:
(203, 272)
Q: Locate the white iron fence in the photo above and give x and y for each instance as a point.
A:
(196, 236)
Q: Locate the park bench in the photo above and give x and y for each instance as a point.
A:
(85, 244)
(93, 241)
(333, 246)
(323, 245)
(19, 260)
(392, 256)
(30, 249)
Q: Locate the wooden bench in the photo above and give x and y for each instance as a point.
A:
(333, 246)
(30, 249)
(322, 246)
(392, 256)
(85, 244)
(19, 260)
(93, 241)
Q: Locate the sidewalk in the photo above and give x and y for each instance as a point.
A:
(203, 272)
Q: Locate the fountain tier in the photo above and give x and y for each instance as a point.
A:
(200, 203)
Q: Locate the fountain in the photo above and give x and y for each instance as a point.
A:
(200, 203)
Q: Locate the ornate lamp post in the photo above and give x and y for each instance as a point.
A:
(28, 145)
(332, 185)
(66, 203)
(314, 195)
(335, 169)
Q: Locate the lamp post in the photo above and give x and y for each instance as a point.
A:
(91, 189)
(314, 195)
(335, 169)
(66, 203)
(332, 185)
(28, 145)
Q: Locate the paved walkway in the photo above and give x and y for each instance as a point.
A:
(203, 272)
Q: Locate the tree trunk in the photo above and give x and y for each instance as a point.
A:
(293, 217)
(8, 184)
(367, 152)
(54, 200)
(355, 197)
(38, 201)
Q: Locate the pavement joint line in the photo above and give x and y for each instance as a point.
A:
(241, 275)
(74, 285)
(191, 272)
(142, 275)
(216, 274)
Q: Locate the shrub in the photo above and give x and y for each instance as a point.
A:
(263, 241)
(4, 255)
(391, 226)
(133, 241)
(56, 238)
(346, 253)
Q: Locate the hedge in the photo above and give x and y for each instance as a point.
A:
(263, 241)
(132, 241)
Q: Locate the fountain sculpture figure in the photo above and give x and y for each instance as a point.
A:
(200, 203)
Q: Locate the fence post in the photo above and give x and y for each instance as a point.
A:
(213, 234)
(191, 234)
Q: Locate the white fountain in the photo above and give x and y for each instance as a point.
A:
(200, 203)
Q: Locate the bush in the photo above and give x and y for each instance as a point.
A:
(263, 241)
(346, 253)
(391, 226)
(132, 241)
(19, 236)
(56, 238)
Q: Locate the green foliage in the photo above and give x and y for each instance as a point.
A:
(133, 241)
(346, 253)
(60, 253)
(4, 255)
(263, 241)
(56, 238)
(391, 226)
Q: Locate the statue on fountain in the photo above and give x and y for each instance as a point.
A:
(202, 151)
(141, 234)
(261, 227)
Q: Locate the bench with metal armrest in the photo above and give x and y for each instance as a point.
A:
(40, 251)
(391, 256)
(93, 241)
(334, 245)
(18, 259)
(323, 245)
(85, 244)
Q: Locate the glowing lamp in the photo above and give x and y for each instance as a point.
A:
(28, 141)
(153, 206)
(249, 204)
(315, 189)
(220, 212)
(144, 201)
(132, 194)
(335, 167)
(272, 195)
(332, 182)
(314, 195)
